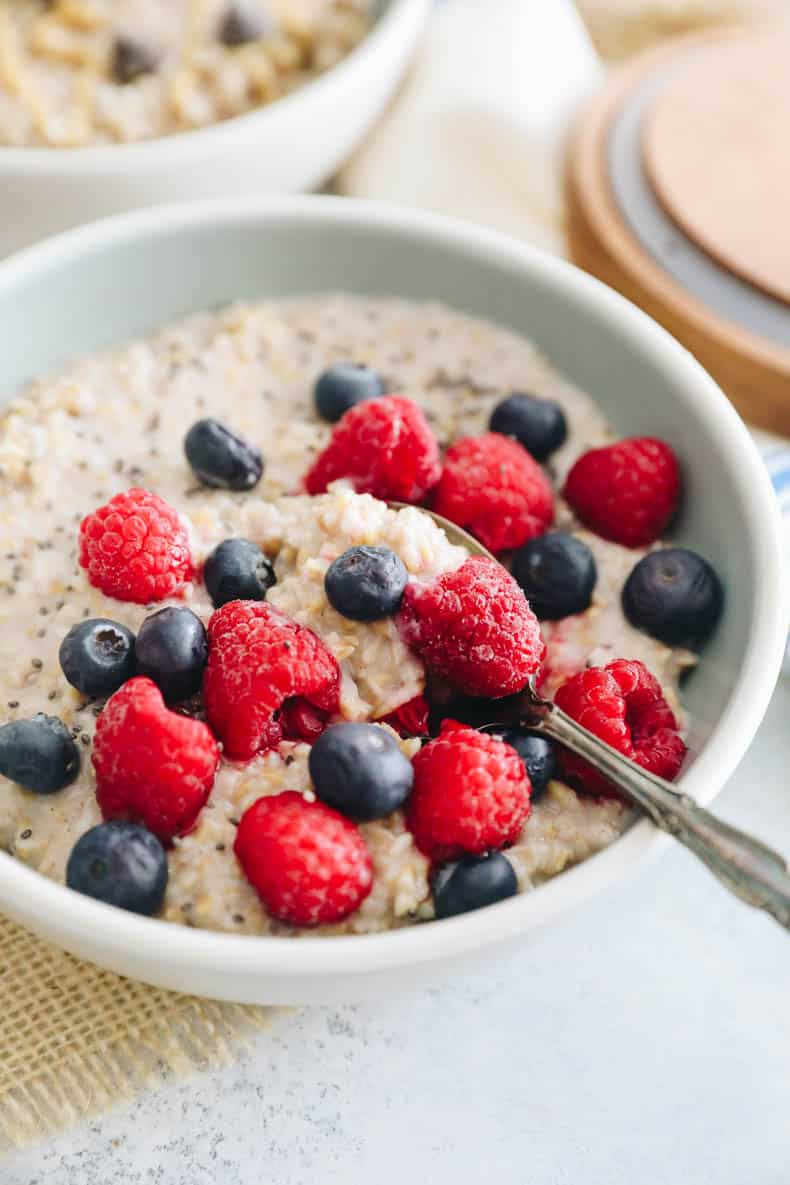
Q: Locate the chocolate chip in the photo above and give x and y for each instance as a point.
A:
(244, 22)
(132, 58)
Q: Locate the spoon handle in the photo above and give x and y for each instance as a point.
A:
(746, 866)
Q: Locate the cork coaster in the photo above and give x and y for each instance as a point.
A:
(716, 150)
(748, 356)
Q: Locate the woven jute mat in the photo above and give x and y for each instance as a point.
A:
(75, 1039)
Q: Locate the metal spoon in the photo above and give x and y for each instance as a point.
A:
(746, 866)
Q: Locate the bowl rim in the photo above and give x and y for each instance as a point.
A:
(344, 955)
(178, 148)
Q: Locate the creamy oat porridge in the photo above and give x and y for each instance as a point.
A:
(118, 419)
(90, 72)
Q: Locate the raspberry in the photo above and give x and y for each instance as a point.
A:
(152, 765)
(471, 793)
(491, 486)
(135, 548)
(385, 448)
(622, 704)
(474, 628)
(258, 661)
(409, 719)
(308, 864)
(626, 492)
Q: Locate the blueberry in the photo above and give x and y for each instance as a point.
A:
(557, 573)
(359, 770)
(172, 649)
(97, 656)
(237, 570)
(221, 459)
(366, 583)
(122, 864)
(242, 23)
(343, 386)
(39, 754)
(538, 424)
(537, 753)
(131, 59)
(472, 882)
(674, 595)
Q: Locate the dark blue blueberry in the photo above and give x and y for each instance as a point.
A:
(221, 459)
(122, 864)
(97, 656)
(537, 753)
(674, 595)
(242, 23)
(172, 649)
(359, 770)
(557, 573)
(538, 424)
(343, 386)
(472, 882)
(132, 58)
(39, 754)
(366, 583)
(237, 570)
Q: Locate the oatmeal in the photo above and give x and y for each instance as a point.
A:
(88, 72)
(117, 420)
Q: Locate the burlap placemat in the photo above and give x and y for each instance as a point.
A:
(75, 1039)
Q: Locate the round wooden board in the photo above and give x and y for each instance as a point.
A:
(716, 149)
(753, 371)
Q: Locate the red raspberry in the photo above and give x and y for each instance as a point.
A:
(471, 793)
(258, 659)
(135, 548)
(410, 719)
(152, 765)
(626, 492)
(622, 704)
(307, 862)
(474, 628)
(491, 486)
(385, 447)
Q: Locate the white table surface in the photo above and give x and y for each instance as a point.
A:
(644, 1040)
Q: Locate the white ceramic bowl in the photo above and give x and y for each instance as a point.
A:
(289, 146)
(107, 282)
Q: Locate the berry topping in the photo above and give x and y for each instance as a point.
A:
(132, 58)
(122, 864)
(675, 595)
(492, 487)
(537, 424)
(309, 865)
(366, 583)
(471, 883)
(471, 793)
(245, 21)
(220, 459)
(172, 649)
(237, 570)
(410, 719)
(359, 770)
(474, 628)
(622, 704)
(384, 447)
(343, 386)
(38, 754)
(538, 754)
(626, 492)
(259, 659)
(557, 573)
(97, 656)
(152, 765)
(135, 548)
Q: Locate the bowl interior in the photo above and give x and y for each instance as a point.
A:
(84, 296)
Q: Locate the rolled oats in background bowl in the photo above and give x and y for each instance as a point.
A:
(106, 107)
